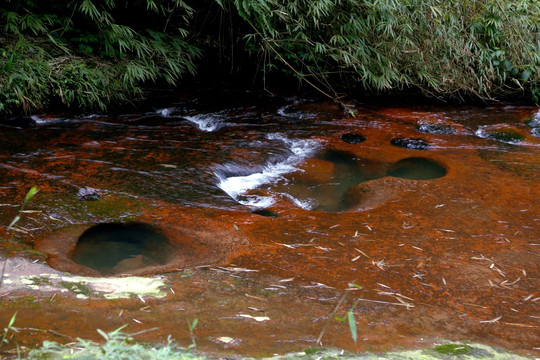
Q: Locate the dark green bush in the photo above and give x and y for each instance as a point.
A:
(482, 48)
(89, 53)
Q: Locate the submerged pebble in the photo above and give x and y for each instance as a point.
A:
(409, 143)
(352, 138)
(88, 194)
(434, 128)
(505, 135)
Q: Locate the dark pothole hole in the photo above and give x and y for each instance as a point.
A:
(116, 248)
(331, 185)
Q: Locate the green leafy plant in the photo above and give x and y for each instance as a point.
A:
(31, 193)
(192, 326)
(117, 345)
(8, 331)
(86, 54)
(480, 49)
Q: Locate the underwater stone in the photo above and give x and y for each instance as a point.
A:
(352, 138)
(506, 136)
(409, 143)
(88, 194)
(442, 129)
(534, 124)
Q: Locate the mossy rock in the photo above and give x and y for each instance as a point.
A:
(453, 349)
(507, 136)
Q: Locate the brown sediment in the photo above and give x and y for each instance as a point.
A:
(454, 257)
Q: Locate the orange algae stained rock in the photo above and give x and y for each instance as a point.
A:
(451, 257)
(195, 242)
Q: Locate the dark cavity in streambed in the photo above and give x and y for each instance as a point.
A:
(327, 182)
(116, 248)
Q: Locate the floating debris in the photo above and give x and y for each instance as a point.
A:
(256, 318)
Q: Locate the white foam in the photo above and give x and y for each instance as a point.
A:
(207, 122)
(306, 204)
(236, 181)
(165, 112)
(285, 112)
(41, 121)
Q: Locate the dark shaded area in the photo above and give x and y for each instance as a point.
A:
(266, 213)
(113, 248)
(417, 169)
(339, 191)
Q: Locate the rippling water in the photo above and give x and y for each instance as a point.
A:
(203, 152)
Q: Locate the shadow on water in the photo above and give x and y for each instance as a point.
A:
(417, 169)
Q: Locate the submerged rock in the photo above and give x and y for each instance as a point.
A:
(88, 194)
(409, 143)
(502, 134)
(435, 128)
(352, 138)
(534, 124)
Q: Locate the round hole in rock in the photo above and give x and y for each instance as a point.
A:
(115, 248)
(329, 182)
(417, 169)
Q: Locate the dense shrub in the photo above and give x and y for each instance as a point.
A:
(89, 53)
(481, 48)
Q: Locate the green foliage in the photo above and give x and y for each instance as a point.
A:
(86, 54)
(77, 287)
(29, 195)
(481, 48)
(453, 349)
(118, 345)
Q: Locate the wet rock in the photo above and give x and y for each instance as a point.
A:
(266, 213)
(88, 194)
(435, 128)
(91, 144)
(409, 143)
(534, 124)
(353, 138)
(502, 134)
(506, 136)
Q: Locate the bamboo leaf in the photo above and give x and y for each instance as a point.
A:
(352, 325)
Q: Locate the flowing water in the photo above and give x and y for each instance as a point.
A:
(433, 210)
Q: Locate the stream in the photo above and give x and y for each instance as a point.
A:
(262, 211)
